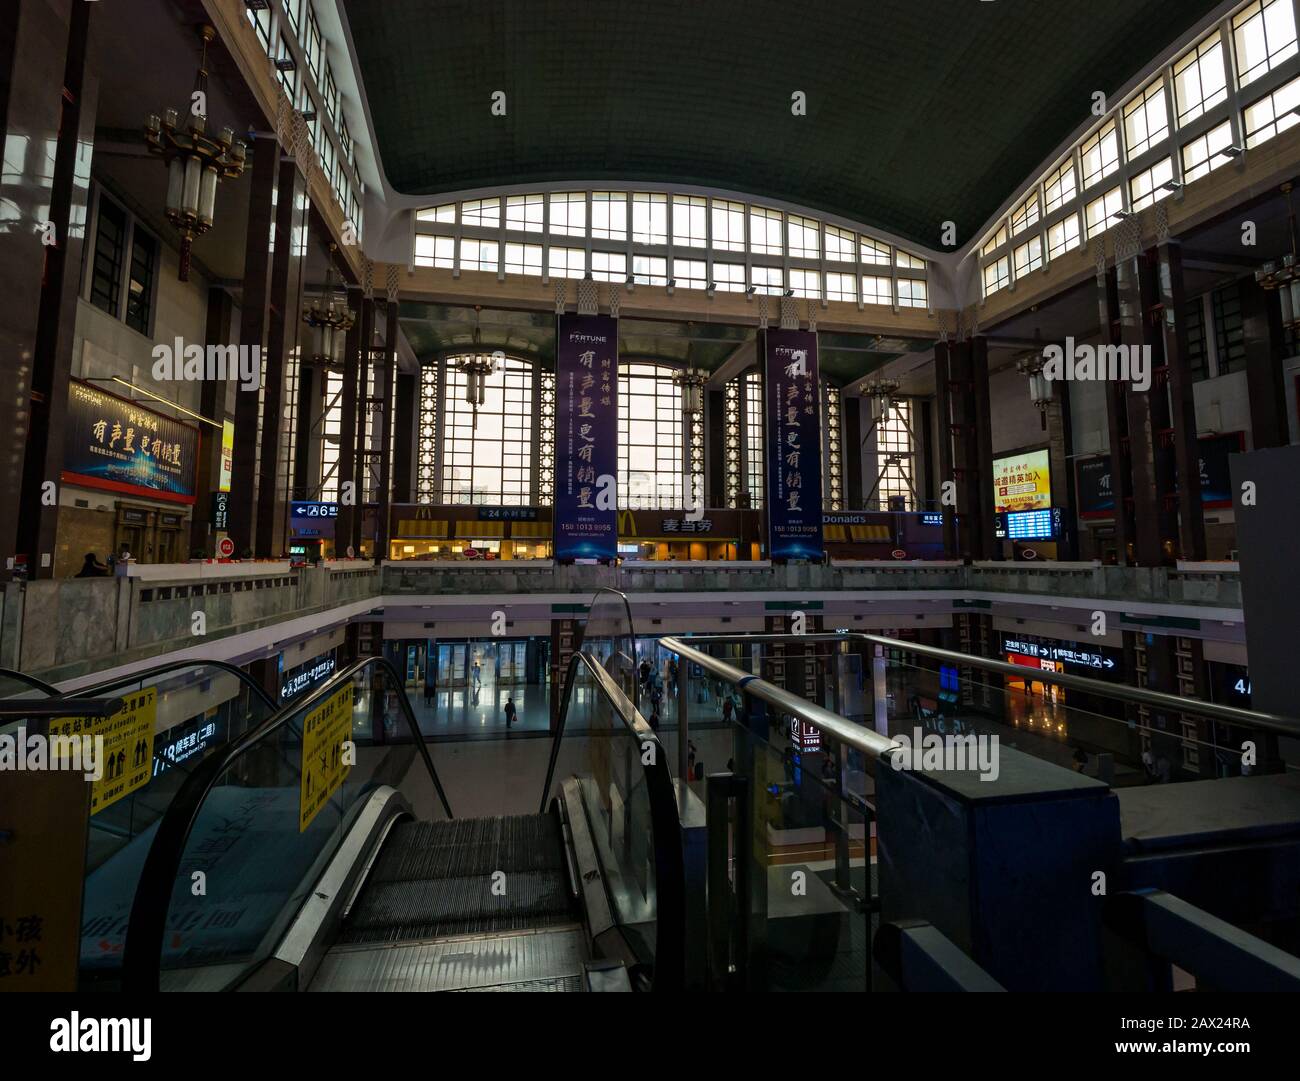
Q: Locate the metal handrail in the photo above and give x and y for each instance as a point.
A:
(147, 925)
(31, 681)
(665, 822)
(1267, 722)
(163, 669)
(867, 740)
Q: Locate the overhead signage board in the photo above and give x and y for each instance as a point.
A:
(325, 731)
(1071, 655)
(1022, 482)
(792, 388)
(117, 445)
(586, 438)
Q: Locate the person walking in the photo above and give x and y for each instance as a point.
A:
(511, 713)
(431, 689)
(478, 674)
(727, 709)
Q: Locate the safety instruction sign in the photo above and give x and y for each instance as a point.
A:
(125, 762)
(324, 732)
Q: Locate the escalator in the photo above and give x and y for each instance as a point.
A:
(194, 707)
(298, 858)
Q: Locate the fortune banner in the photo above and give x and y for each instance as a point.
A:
(792, 385)
(586, 438)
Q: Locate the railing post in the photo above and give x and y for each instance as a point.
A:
(727, 794)
(683, 719)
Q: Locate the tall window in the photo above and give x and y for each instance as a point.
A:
(331, 429)
(488, 461)
(1200, 80)
(139, 297)
(895, 455)
(1264, 35)
(651, 448)
(110, 254)
(754, 438)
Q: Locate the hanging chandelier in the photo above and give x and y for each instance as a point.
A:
(1040, 387)
(1284, 276)
(329, 312)
(476, 368)
(691, 381)
(882, 392)
(195, 161)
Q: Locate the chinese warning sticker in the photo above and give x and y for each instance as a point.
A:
(127, 762)
(324, 732)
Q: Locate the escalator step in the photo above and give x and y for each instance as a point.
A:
(436, 878)
(422, 850)
(414, 909)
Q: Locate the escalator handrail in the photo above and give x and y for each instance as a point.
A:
(162, 669)
(1141, 696)
(147, 925)
(631, 631)
(665, 821)
(31, 681)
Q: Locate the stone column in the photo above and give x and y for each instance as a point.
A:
(284, 328)
(37, 41)
(254, 326)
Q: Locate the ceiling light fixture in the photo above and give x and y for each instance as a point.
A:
(195, 162)
(1284, 274)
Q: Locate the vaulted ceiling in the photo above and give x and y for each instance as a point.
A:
(917, 112)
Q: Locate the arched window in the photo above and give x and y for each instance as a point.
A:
(487, 455)
(651, 452)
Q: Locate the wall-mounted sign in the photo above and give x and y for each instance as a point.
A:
(305, 676)
(1022, 482)
(1092, 490)
(507, 514)
(1029, 525)
(792, 389)
(221, 511)
(186, 741)
(1212, 454)
(225, 548)
(227, 455)
(932, 518)
(119, 446)
(586, 438)
(685, 525)
(804, 736)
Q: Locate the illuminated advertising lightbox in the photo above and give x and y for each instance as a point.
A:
(119, 446)
(227, 455)
(1022, 482)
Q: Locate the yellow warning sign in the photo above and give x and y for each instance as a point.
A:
(324, 764)
(125, 761)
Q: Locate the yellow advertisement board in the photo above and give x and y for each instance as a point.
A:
(324, 731)
(1022, 482)
(127, 762)
(227, 455)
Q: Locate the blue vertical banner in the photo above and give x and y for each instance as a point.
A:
(792, 387)
(586, 437)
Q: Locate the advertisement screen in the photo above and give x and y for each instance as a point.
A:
(1022, 482)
